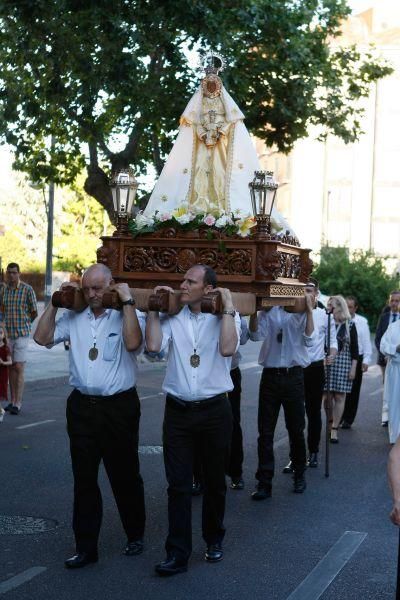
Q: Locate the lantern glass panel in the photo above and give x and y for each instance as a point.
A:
(123, 199)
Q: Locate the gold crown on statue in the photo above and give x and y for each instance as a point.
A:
(212, 63)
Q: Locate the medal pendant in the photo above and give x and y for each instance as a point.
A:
(93, 353)
(195, 360)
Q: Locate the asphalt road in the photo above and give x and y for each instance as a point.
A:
(272, 548)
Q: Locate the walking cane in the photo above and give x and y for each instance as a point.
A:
(328, 407)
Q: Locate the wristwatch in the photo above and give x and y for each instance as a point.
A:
(229, 312)
(129, 302)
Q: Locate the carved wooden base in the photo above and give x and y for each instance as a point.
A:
(270, 269)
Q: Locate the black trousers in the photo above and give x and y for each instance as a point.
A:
(234, 463)
(278, 387)
(207, 427)
(105, 428)
(314, 381)
(351, 404)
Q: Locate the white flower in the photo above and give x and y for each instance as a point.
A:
(222, 221)
(183, 219)
(142, 220)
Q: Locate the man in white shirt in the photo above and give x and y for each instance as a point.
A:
(314, 373)
(390, 314)
(197, 412)
(363, 362)
(103, 410)
(284, 356)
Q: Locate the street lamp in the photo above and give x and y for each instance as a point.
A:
(262, 192)
(123, 188)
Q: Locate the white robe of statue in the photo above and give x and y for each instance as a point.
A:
(391, 391)
(227, 160)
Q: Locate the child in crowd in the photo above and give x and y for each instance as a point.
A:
(5, 361)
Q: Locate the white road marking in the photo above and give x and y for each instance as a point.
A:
(151, 396)
(376, 392)
(17, 580)
(320, 578)
(35, 424)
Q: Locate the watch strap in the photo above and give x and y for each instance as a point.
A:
(129, 302)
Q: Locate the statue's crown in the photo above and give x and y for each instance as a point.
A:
(212, 63)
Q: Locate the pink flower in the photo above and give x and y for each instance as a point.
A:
(165, 216)
(209, 220)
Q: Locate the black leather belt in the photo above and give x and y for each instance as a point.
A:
(175, 402)
(281, 370)
(92, 398)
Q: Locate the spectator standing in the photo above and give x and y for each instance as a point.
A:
(390, 314)
(19, 308)
(343, 370)
(363, 362)
(390, 348)
(5, 362)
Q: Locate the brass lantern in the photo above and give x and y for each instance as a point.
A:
(123, 188)
(263, 192)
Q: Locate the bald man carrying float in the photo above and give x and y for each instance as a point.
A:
(103, 410)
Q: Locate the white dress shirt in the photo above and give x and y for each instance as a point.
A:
(292, 350)
(364, 338)
(184, 333)
(316, 352)
(115, 369)
(244, 336)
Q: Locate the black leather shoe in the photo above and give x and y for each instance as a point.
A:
(134, 548)
(81, 560)
(237, 483)
(197, 488)
(384, 423)
(288, 468)
(9, 407)
(313, 460)
(299, 484)
(345, 425)
(14, 410)
(261, 493)
(171, 566)
(214, 553)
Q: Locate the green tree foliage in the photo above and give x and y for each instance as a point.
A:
(361, 274)
(90, 72)
(79, 221)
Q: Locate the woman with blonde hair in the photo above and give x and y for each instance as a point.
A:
(343, 370)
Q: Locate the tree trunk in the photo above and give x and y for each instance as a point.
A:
(97, 186)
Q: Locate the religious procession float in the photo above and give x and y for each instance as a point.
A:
(213, 205)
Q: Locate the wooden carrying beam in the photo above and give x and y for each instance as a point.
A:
(72, 298)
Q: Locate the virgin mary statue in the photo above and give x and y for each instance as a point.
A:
(213, 158)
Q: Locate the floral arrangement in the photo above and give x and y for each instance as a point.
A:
(184, 219)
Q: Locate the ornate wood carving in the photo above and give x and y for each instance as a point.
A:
(268, 263)
(306, 267)
(276, 269)
(109, 254)
(158, 259)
